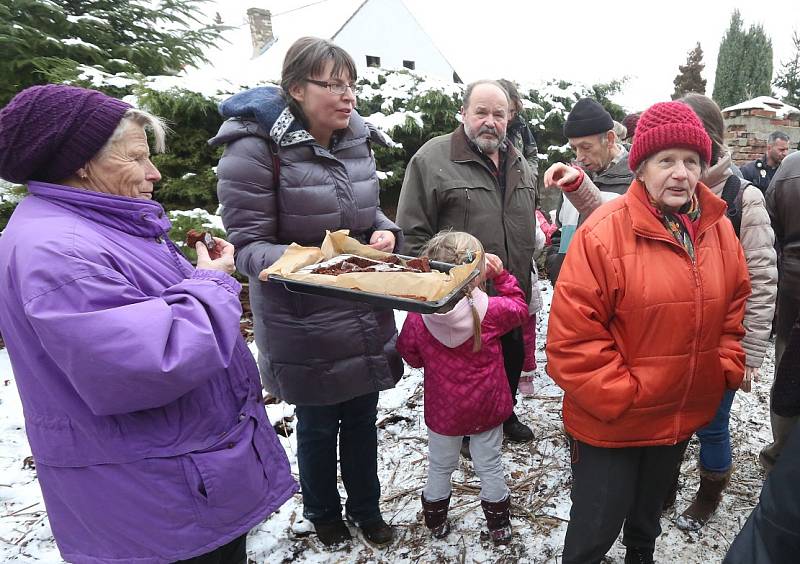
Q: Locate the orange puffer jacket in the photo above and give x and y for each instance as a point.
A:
(642, 340)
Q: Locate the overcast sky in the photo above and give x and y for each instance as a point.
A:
(590, 41)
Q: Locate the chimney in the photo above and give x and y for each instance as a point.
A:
(260, 29)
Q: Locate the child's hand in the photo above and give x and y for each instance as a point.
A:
(494, 266)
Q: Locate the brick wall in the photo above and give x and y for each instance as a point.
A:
(746, 132)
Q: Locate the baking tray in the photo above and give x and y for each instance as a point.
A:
(380, 300)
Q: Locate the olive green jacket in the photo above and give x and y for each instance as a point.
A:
(447, 185)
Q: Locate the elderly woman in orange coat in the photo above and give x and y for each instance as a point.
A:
(644, 335)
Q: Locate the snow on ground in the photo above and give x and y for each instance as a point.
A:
(538, 474)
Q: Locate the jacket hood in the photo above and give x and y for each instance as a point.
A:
(263, 112)
(454, 328)
(717, 175)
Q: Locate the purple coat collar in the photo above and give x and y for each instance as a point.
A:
(143, 218)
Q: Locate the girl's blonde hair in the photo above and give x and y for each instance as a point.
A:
(457, 247)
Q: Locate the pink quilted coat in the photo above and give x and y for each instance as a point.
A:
(466, 392)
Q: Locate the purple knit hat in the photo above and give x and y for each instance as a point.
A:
(48, 132)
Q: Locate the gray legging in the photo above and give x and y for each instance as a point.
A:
(443, 453)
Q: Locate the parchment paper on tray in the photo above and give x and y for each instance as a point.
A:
(408, 286)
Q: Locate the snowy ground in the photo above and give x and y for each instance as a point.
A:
(538, 474)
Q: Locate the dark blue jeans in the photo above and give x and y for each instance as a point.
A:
(318, 427)
(715, 438)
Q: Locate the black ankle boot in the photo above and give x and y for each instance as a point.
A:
(435, 513)
(635, 555)
(332, 532)
(498, 519)
(516, 431)
(377, 532)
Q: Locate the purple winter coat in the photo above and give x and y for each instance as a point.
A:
(141, 400)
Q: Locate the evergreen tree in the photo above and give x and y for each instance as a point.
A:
(188, 180)
(58, 40)
(744, 64)
(727, 78)
(757, 64)
(689, 79)
(789, 76)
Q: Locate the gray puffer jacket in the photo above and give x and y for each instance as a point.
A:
(312, 350)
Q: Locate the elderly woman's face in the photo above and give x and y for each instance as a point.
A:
(671, 176)
(124, 167)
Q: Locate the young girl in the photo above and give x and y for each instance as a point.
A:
(466, 390)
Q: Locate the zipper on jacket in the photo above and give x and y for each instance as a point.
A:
(466, 209)
(698, 301)
(698, 304)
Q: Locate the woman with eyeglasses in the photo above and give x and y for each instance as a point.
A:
(298, 162)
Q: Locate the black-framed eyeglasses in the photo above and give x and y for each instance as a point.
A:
(334, 87)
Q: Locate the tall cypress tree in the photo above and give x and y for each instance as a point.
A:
(757, 63)
(689, 78)
(789, 76)
(744, 64)
(49, 40)
(730, 52)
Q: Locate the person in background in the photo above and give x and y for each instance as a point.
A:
(475, 180)
(783, 203)
(142, 402)
(466, 390)
(620, 131)
(518, 131)
(629, 121)
(751, 221)
(771, 534)
(589, 129)
(644, 335)
(761, 171)
(297, 163)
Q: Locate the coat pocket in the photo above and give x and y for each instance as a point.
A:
(464, 204)
(228, 480)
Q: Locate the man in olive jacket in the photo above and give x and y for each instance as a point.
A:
(474, 180)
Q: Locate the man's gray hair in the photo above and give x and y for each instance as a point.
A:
(471, 86)
(145, 120)
(776, 135)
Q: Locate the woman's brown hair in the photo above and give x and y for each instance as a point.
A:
(709, 113)
(306, 58)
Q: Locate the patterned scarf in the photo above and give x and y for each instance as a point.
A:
(676, 223)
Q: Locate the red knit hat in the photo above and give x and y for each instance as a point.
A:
(667, 125)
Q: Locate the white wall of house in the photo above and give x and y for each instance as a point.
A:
(386, 29)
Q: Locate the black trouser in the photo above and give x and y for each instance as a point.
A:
(352, 422)
(513, 358)
(235, 552)
(612, 486)
(787, 309)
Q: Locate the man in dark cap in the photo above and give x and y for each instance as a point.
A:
(590, 131)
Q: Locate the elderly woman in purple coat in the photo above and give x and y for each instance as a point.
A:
(142, 402)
